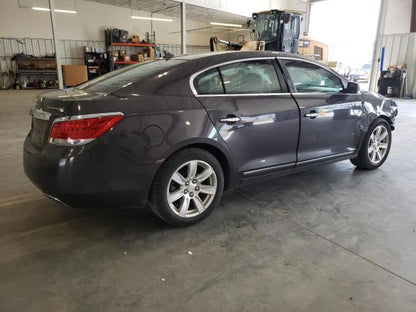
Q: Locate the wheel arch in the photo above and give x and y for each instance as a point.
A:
(371, 122)
(218, 151)
(386, 118)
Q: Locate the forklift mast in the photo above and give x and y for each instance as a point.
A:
(279, 29)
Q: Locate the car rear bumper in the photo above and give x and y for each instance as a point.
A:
(89, 175)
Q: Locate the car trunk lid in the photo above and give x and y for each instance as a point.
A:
(49, 106)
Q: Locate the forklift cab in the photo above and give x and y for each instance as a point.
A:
(279, 29)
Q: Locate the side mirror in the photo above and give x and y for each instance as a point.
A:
(352, 87)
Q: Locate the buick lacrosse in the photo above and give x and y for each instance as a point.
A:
(174, 134)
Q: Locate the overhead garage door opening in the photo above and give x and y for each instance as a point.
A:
(349, 29)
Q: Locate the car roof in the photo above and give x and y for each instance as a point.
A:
(205, 60)
(236, 55)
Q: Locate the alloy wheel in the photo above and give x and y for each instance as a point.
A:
(378, 144)
(192, 188)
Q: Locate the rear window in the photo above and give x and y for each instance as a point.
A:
(209, 82)
(124, 77)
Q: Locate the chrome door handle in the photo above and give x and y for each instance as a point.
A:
(311, 115)
(230, 119)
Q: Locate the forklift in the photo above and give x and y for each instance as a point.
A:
(273, 30)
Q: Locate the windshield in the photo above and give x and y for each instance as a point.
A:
(267, 26)
(124, 77)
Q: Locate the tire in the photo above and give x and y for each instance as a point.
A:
(375, 147)
(187, 187)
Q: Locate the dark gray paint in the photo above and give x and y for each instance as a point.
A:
(119, 167)
(250, 141)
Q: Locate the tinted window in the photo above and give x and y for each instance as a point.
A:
(124, 77)
(308, 77)
(209, 82)
(250, 77)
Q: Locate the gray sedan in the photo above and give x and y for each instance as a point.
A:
(174, 134)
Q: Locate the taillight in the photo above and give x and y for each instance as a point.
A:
(78, 130)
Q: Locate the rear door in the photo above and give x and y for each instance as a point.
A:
(256, 117)
(329, 117)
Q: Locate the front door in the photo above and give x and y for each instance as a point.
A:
(329, 117)
(258, 122)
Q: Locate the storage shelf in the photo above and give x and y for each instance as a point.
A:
(35, 59)
(37, 71)
(125, 62)
(120, 44)
(34, 88)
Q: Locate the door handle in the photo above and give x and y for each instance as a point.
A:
(311, 115)
(230, 119)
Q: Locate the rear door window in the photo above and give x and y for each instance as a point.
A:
(209, 82)
(258, 76)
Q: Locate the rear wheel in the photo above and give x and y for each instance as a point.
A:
(187, 187)
(376, 146)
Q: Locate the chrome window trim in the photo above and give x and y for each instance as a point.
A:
(193, 76)
(191, 79)
(242, 94)
(77, 117)
(317, 93)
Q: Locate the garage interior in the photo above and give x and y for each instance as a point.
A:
(332, 238)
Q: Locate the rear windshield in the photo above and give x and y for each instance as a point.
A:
(124, 77)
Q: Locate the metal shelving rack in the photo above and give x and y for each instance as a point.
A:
(96, 64)
(35, 69)
(116, 64)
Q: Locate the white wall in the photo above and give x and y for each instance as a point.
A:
(89, 23)
(398, 16)
(93, 18)
(241, 7)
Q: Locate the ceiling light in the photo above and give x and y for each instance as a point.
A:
(225, 24)
(152, 18)
(56, 10)
(65, 11)
(40, 9)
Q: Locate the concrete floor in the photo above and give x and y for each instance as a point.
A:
(329, 239)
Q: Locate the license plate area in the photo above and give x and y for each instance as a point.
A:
(40, 129)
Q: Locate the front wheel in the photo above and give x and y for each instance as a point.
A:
(187, 187)
(376, 146)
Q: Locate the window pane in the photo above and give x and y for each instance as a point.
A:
(309, 77)
(250, 77)
(120, 78)
(209, 82)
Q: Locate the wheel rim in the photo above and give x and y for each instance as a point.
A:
(192, 188)
(378, 144)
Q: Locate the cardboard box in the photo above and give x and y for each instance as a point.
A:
(152, 53)
(126, 58)
(135, 39)
(140, 57)
(74, 75)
